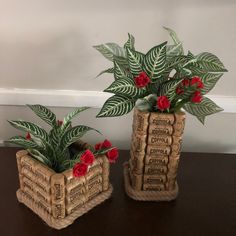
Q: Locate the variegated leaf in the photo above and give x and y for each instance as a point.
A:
(209, 80)
(175, 39)
(123, 61)
(154, 62)
(44, 113)
(126, 87)
(109, 50)
(25, 143)
(168, 88)
(35, 130)
(205, 108)
(40, 157)
(109, 70)
(130, 43)
(74, 134)
(209, 62)
(173, 50)
(55, 136)
(116, 106)
(120, 71)
(135, 60)
(73, 114)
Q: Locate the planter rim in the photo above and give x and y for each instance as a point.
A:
(160, 113)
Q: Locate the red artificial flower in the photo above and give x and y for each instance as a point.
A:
(80, 169)
(142, 80)
(98, 146)
(197, 97)
(197, 80)
(186, 82)
(59, 122)
(106, 144)
(87, 157)
(179, 90)
(163, 103)
(28, 136)
(112, 155)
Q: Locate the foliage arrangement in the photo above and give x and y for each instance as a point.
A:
(162, 80)
(53, 148)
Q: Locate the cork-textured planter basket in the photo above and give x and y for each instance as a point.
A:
(150, 174)
(60, 198)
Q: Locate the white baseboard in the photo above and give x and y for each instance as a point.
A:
(74, 98)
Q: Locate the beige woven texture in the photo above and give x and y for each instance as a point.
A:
(155, 150)
(59, 198)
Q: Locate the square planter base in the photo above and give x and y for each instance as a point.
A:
(62, 223)
(147, 195)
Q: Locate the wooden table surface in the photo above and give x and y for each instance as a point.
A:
(206, 204)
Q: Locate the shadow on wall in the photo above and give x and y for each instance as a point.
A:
(53, 58)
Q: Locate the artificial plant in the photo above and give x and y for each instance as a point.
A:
(164, 79)
(53, 148)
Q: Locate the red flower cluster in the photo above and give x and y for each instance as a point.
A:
(112, 155)
(142, 80)
(194, 81)
(163, 103)
(197, 97)
(86, 159)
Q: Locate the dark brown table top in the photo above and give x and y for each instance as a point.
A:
(206, 204)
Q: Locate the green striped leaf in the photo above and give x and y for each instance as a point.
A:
(109, 50)
(209, 80)
(135, 60)
(173, 50)
(55, 137)
(44, 113)
(120, 71)
(155, 62)
(200, 110)
(123, 61)
(175, 39)
(33, 129)
(73, 114)
(25, 143)
(116, 106)
(209, 62)
(126, 87)
(109, 70)
(74, 134)
(40, 157)
(168, 88)
(130, 43)
(176, 61)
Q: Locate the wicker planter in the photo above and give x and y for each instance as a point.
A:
(59, 198)
(150, 174)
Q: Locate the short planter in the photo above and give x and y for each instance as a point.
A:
(59, 198)
(151, 172)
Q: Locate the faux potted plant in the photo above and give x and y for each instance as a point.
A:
(61, 177)
(159, 85)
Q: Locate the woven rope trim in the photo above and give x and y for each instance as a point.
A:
(147, 195)
(62, 223)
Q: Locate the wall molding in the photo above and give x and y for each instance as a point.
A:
(75, 98)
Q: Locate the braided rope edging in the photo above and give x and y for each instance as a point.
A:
(62, 223)
(147, 195)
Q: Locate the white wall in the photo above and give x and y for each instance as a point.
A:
(48, 45)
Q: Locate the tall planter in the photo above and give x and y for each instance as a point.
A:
(151, 172)
(60, 198)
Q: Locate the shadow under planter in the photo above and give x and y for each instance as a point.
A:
(60, 198)
(150, 174)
